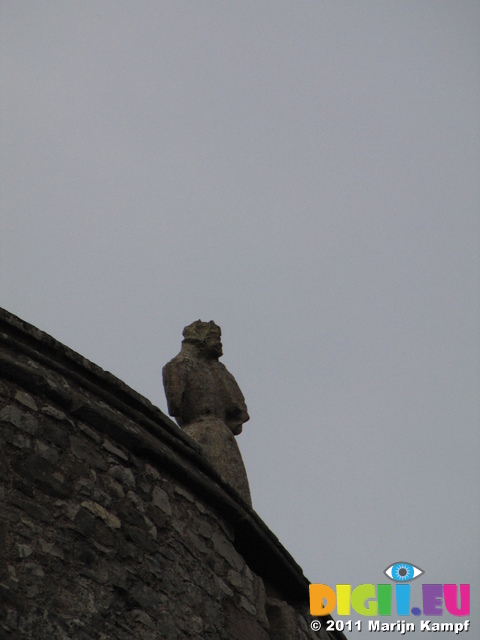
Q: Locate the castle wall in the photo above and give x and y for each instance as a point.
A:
(112, 526)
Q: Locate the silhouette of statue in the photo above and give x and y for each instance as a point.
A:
(207, 402)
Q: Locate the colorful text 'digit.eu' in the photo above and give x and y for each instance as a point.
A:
(384, 600)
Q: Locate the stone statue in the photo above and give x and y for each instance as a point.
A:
(207, 402)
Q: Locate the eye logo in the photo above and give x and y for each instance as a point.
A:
(403, 572)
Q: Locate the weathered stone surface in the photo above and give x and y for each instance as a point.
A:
(4, 471)
(161, 500)
(129, 514)
(183, 492)
(118, 577)
(55, 434)
(26, 400)
(111, 526)
(140, 616)
(44, 474)
(141, 539)
(282, 619)
(221, 449)
(3, 552)
(204, 397)
(115, 450)
(18, 440)
(4, 391)
(115, 488)
(85, 522)
(160, 519)
(110, 519)
(84, 555)
(102, 498)
(54, 413)
(23, 550)
(19, 419)
(242, 624)
(93, 435)
(11, 415)
(198, 386)
(85, 452)
(33, 509)
(123, 475)
(146, 597)
(49, 453)
(225, 548)
(51, 549)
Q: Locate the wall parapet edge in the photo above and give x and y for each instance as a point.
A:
(41, 364)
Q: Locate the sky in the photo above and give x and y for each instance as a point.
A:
(305, 174)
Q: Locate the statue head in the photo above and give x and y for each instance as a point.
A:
(205, 336)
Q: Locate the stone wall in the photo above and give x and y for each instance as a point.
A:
(112, 526)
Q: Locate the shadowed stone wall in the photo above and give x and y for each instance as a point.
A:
(113, 526)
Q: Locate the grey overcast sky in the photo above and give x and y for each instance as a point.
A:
(304, 173)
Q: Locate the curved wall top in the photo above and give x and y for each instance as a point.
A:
(93, 475)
